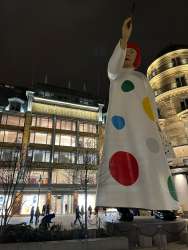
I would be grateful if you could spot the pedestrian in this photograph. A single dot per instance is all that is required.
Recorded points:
(82, 211)
(46, 220)
(66, 208)
(31, 215)
(44, 210)
(136, 212)
(104, 209)
(89, 211)
(47, 209)
(77, 213)
(37, 215)
(96, 211)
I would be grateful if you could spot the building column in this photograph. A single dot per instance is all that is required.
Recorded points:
(26, 136)
(181, 185)
(30, 96)
(100, 116)
(75, 200)
(48, 198)
(17, 203)
(52, 152)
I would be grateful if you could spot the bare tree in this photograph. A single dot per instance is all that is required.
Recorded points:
(85, 175)
(14, 175)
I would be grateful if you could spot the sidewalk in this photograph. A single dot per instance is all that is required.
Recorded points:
(65, 220)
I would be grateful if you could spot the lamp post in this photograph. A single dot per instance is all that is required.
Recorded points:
(86, 182)
(39, 182)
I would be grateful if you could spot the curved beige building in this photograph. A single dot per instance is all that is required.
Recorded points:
(168, 76)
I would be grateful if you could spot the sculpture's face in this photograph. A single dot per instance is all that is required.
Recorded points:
(130, 58)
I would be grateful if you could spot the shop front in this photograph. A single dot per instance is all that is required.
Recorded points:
(90, 200)
(32, 200)
(62, 203)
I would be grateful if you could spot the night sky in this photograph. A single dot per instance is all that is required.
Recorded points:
(72, 40)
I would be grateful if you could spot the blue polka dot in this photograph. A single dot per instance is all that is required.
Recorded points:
(118, 122)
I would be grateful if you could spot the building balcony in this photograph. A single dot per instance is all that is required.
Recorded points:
(174, 58)
(172, 93)
(168, 87)
(168, 74)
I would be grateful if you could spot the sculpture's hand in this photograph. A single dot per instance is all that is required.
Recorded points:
(126, 32)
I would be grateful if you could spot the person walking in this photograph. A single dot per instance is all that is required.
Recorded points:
(31, 215)
(82, 211)
(47, 209)
(44, 210)
(89, 211)
(66, 208)
(96, 212)
(37, 215)
(77, 213)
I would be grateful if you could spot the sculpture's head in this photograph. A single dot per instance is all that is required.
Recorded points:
(133, 56)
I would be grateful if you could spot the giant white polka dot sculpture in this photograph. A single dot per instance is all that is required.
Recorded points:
(134, 172)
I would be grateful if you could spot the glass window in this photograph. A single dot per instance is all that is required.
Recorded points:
(40, 137)
(87, 142)
(7, 154)
(15, 106)
(36, 176)
(87, 127)
(40, 121)
(80, 177)
(80, 159)
(184, 104)
(64, 157)
(63, 176)
(12, 120)
(65, 125)
(87, 158)
(39, 155)
(56, 157)
(10, 136)
(181, 81)
(65, 140)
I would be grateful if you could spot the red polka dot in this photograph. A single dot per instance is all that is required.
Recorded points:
(124, 168)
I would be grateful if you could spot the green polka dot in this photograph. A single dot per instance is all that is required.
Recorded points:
(171, 188)
(127, 86)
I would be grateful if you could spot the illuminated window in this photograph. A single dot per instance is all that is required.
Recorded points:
(40, 121)
(40, 137)
(154, 72)
(36, 176)
(81, 174)
(65, 140)
(184, 104)
(87, 142)
(64, 157)
(39, 155)
(176, 61)
(65, 125)
(63, 176)
(7, 154)
(181, 81)
(87, 127)
(12, 120)
(10, 136)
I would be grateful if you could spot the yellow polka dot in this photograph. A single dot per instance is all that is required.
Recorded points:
(148, 108)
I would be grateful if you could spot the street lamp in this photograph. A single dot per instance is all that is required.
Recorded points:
(86, 183)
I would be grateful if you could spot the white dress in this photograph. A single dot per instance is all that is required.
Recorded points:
(134, 172)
